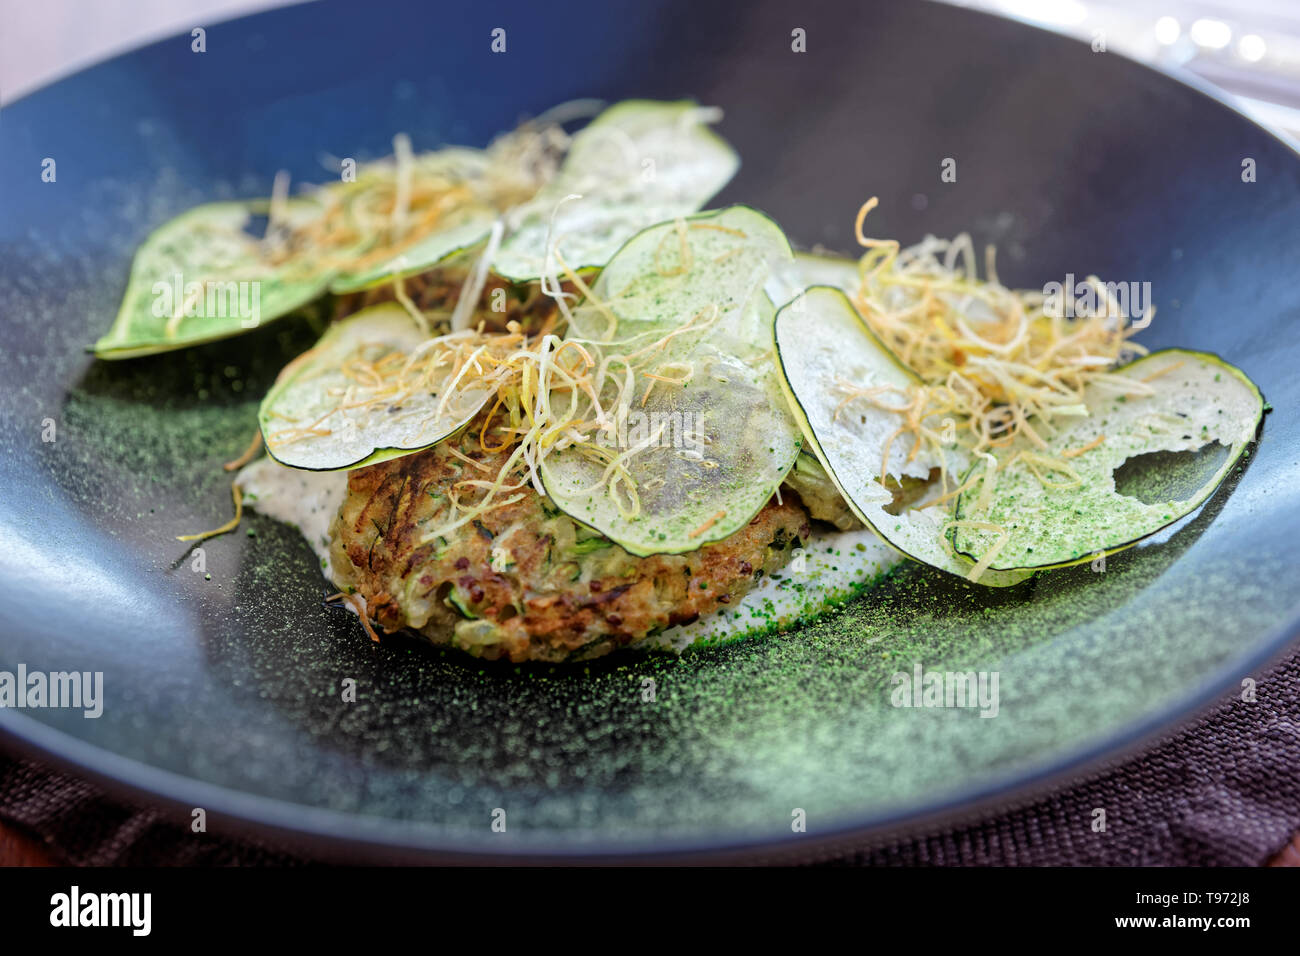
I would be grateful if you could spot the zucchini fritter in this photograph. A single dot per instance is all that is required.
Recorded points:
(525, 581)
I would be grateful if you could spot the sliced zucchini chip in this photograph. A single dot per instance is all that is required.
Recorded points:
(452, 223)
(374, 387)
(202, 277)
(638, 163)
(696, 434)
(832, 364)
(697, 277)
(808, 269)
(1059, 505)
(463, 232)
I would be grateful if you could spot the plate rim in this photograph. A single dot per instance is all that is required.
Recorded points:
(334, 833)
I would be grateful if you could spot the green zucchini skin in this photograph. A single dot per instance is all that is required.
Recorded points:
(691, 163)
(848, 347)
(300, 395)
(1216, 380)
(733, 396)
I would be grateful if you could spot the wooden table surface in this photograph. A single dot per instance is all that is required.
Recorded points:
(17, 848)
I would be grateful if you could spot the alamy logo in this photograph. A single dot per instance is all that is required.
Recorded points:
(638, 429)
(82, 690)
(1093, 298)
(922, 688)
(75, 908)
(212, 299)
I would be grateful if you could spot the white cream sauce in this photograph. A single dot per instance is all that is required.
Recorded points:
(833, 567)
(307, 500)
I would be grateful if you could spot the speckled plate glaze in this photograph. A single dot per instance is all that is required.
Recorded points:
(225, 693)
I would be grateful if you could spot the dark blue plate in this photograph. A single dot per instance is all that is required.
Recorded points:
(225, 693)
